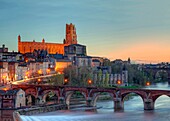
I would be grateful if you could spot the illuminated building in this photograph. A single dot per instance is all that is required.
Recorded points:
(52, 48)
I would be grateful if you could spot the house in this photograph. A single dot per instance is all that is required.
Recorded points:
(12, 99)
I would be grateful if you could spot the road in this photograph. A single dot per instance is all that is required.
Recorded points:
(24, 81)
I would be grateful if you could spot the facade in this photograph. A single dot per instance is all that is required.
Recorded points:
(52, 48)
(96, 63)
(43, 66)
(20, 99)
(77, 54)
(75, 50)
(22, 71)
(10, 56)
(61, 64)
(6, 115)
(120, 79)
(103, 74)
(83, 61)
(32, 69)
(12, 98)
(3, 72)
(12, 67)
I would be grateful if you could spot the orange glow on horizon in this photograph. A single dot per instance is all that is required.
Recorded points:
(143, 52)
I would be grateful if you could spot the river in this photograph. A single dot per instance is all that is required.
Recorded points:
(133, 111)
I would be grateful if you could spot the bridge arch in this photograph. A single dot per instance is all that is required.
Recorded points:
(98, 94)
(139, 93)
(31, 91)
(164, 97)
(46, 93)
(30, 100)
(129, 96)
(69, 94)
(160, 95)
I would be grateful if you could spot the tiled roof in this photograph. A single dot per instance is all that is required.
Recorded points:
(9, 92)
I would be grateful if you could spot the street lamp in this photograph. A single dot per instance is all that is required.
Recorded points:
(40, 72)
(48, 71)
(89, 81)
(65, 81)
(27, 74)
(148, 83)
(119, 82)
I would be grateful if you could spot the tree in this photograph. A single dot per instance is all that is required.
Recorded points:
(106, 82)
(106, 62)
(78, 76)
(57, 79)
(99, 75)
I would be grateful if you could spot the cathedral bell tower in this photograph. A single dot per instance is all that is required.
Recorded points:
(71, 36)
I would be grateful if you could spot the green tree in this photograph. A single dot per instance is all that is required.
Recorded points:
(99, 75)
(78, 76)
(56, 79)
(106, 83)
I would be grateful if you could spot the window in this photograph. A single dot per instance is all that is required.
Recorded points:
(21, 95)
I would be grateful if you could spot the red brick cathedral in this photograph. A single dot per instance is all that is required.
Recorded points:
(52, 48)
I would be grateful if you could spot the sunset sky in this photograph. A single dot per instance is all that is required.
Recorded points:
(116, 29)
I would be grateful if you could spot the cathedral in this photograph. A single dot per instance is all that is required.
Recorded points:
(52, 48)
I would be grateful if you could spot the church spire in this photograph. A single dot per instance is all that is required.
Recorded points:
(19, 38)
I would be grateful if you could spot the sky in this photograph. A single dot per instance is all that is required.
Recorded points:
(116, 29)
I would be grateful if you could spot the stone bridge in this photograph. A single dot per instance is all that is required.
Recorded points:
(154, 70)
(91, 94)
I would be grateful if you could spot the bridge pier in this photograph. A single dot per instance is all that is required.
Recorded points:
(61, 100)
(148, 104)
(118, 105)
(89, 101)
(40, 101)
